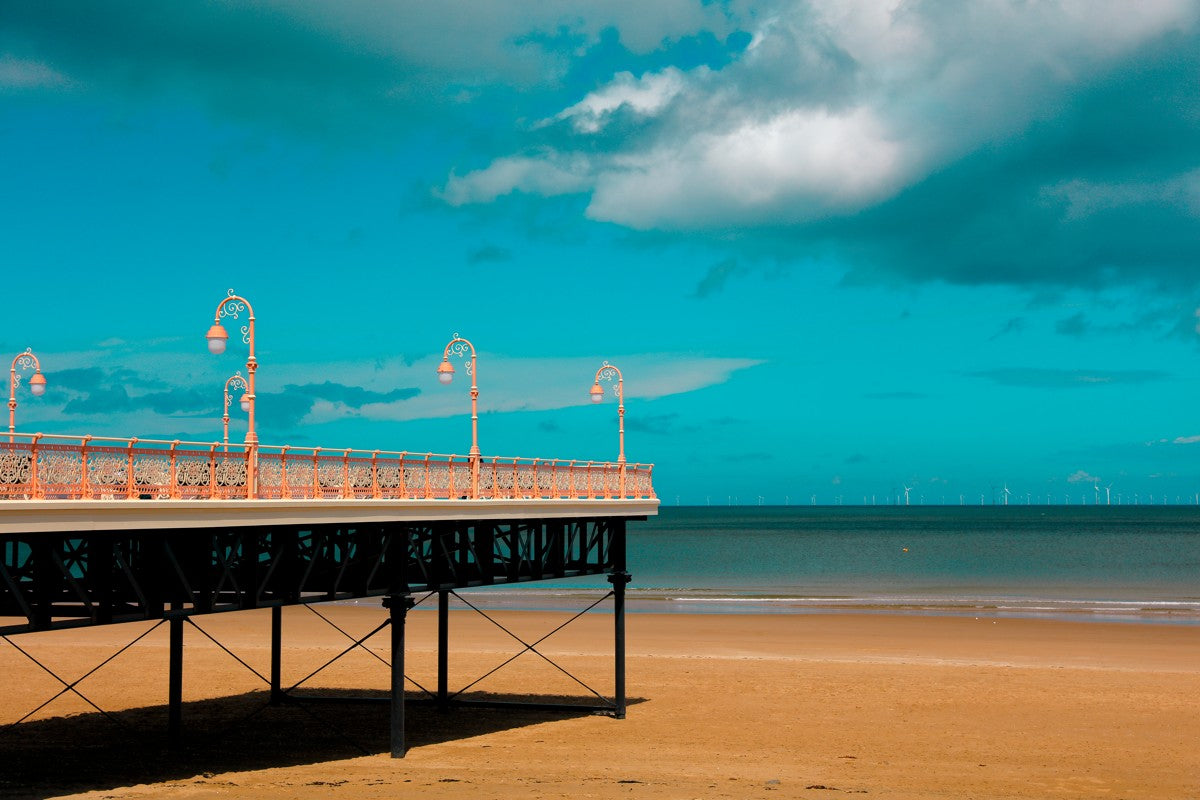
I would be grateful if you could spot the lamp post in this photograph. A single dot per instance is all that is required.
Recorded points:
(232, 306)
(606, 373)
(236, 381)
(37, 384)
(459, 346)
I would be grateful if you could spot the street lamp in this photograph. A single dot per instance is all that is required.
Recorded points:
(37, 384)
(606, 373)
(232, 306)
(459, 346)
(234, 381)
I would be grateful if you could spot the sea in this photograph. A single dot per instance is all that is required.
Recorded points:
(1137, 564)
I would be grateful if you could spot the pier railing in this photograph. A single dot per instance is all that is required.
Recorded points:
(37, 466)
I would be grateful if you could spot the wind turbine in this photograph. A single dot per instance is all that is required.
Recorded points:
(1006, 493)
(1108, 495)
(1096, 489)
(907, 489)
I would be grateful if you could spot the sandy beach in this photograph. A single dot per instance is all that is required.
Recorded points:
(811, 706)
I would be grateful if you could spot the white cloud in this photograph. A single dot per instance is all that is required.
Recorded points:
(807, 162)
(541, 384)
(1085, 198)
(1081, 476)
(18, 74)
(645, 96)
(836, 106)
(506, 175)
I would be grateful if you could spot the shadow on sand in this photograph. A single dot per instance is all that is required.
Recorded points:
(87, 752)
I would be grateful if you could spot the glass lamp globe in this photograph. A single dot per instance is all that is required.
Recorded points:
(37, 384)
(445, 371)
(245, 403)
(217, 337)
(597, 393)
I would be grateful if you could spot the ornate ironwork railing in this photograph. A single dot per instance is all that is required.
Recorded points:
(36, 467)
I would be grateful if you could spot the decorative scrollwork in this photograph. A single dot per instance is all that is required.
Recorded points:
(388, 476)
(439, 479)
(192, 472)
(299, 475)
(235, 382)
(414, 480)
(504, 479)
(231, 472)
(152, 471)
(545, 481)
(525, 479)
(15, 468)
(26, 360)
(60, 469)
(232, 307)
(360, 475)
(329, 473)
(270, 473)
(607, 372)
(107, 470)
(461, 347)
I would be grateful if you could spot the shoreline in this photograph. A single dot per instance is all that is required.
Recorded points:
(709, 601)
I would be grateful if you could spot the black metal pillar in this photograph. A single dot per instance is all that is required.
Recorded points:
(618, 581)
(619, 578)
(443, 693)
(398, 604)
(175, 681)
(276, 654)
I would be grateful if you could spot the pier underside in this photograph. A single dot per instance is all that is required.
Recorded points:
(51, 580)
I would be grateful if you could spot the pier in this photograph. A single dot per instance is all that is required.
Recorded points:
(98, 531)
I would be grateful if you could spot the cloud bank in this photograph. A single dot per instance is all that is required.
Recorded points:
(1046, 143)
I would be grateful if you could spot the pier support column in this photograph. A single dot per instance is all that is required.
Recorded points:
(443, 694)
(175, 681)
(619, 581)
(276, 654)
(398, 604)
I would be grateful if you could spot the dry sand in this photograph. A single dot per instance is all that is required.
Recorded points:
(813, 706)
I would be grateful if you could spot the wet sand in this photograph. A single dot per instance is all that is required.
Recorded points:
(811, 706)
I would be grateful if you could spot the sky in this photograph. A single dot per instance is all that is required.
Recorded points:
(837, 248)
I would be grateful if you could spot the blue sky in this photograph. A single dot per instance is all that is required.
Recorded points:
(837, 248)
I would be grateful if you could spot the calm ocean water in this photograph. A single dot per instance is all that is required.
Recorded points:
(1136, 563)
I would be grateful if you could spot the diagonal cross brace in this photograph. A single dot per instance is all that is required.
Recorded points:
(532, 648)
(72, 686)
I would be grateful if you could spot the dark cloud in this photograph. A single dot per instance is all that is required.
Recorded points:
(660, 424)
(112, 399)
(188, 402)
(1014, 325)
(1074, 325)
(1094, 196)
(286, 408)
(489, 253)
(1067, 378)
(247, 61)
(97, 390)
(714, 280)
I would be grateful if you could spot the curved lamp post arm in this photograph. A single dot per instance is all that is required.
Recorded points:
(236, 381)
(37, 384)
(459, 346)
(233, 306)
(608, 372)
